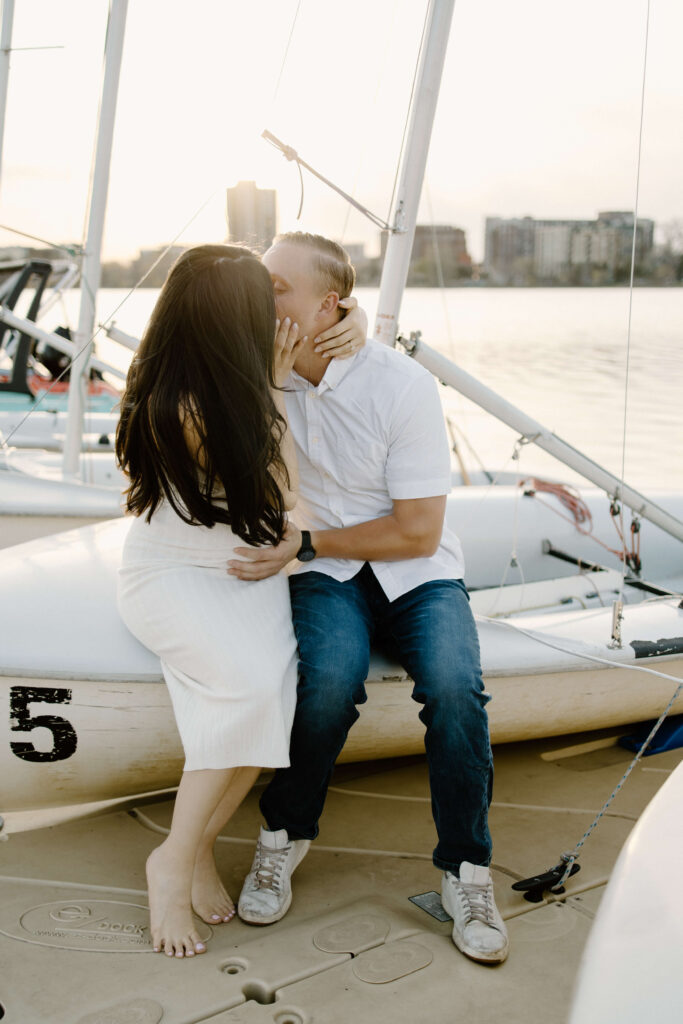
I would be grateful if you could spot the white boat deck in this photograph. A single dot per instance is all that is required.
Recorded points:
(353, 948)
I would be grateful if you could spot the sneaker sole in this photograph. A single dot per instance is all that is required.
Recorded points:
(497, 957)
(272, 918)
(483, 958)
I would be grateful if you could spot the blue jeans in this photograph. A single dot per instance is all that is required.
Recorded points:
(431, 632)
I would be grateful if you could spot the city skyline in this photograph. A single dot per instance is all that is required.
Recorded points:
(519, 251)
(538, 115)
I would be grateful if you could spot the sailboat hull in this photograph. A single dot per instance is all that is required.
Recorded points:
(88, 718)
(74, 741)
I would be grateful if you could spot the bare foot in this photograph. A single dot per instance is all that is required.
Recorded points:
(210, 899)
(172, 926)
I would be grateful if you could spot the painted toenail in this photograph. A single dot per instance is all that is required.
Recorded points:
(215, 917)
(200, 946)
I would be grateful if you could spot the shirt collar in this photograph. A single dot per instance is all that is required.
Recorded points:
(334, 374)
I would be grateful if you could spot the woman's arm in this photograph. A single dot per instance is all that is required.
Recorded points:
(287, 346)
(289, 493)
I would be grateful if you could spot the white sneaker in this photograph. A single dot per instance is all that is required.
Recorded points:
(267, 891)
(478, 929)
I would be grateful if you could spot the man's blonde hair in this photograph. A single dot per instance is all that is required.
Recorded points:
(330, 261)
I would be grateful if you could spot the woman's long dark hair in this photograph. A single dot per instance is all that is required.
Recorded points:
(208, 349)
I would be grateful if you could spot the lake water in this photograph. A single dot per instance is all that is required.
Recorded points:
(557, 353)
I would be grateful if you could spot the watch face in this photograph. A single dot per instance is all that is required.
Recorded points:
(307, 555)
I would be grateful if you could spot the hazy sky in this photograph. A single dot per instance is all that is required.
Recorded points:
(538, 113)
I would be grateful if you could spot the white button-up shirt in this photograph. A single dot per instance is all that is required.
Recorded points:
(372, 431)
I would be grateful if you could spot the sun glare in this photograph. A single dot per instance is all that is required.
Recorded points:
(531, 119)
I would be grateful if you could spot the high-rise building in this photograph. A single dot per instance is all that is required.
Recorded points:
(528, 251)
(439, 255)
(442, 243)
(252, 215)
(509, 247)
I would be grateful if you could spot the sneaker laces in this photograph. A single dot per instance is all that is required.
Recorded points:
(478, 900)
(269, 866)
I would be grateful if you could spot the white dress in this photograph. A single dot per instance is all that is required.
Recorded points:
(227, 646)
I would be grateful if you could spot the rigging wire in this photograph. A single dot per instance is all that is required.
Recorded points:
(4, 441)
(630, 290)
(70, 250)
(93, 155)
(409, 108)
(454, 429)
(26, 49)
(286, 54)
(513, 561)
(373, 107)
(439, 267)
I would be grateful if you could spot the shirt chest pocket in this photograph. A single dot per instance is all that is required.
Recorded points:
(360, 464)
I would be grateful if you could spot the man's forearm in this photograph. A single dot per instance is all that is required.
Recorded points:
(378, 540)
(412, 530)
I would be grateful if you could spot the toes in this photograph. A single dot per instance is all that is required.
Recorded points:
(210, 916)
(221, 912)
(180, 948)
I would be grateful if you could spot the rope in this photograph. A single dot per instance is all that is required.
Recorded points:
(568, 496)
(570, 857)
(580, 514)
(573, 855)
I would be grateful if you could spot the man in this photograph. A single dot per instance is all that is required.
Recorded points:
(374, 561)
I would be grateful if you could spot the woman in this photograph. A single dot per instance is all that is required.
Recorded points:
(203, 438)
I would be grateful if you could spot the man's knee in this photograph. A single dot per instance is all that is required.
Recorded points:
(450, 687)
(332, 683)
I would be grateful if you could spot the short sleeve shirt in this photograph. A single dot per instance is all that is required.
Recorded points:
(370, 433)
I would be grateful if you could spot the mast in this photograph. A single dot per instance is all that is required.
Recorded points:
(91, 268)
(395, 274)
(5, 50)
(423, 108)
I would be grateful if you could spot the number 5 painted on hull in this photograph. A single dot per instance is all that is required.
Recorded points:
(63, 733)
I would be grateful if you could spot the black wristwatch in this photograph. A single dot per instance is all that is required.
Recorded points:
(306, 552)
